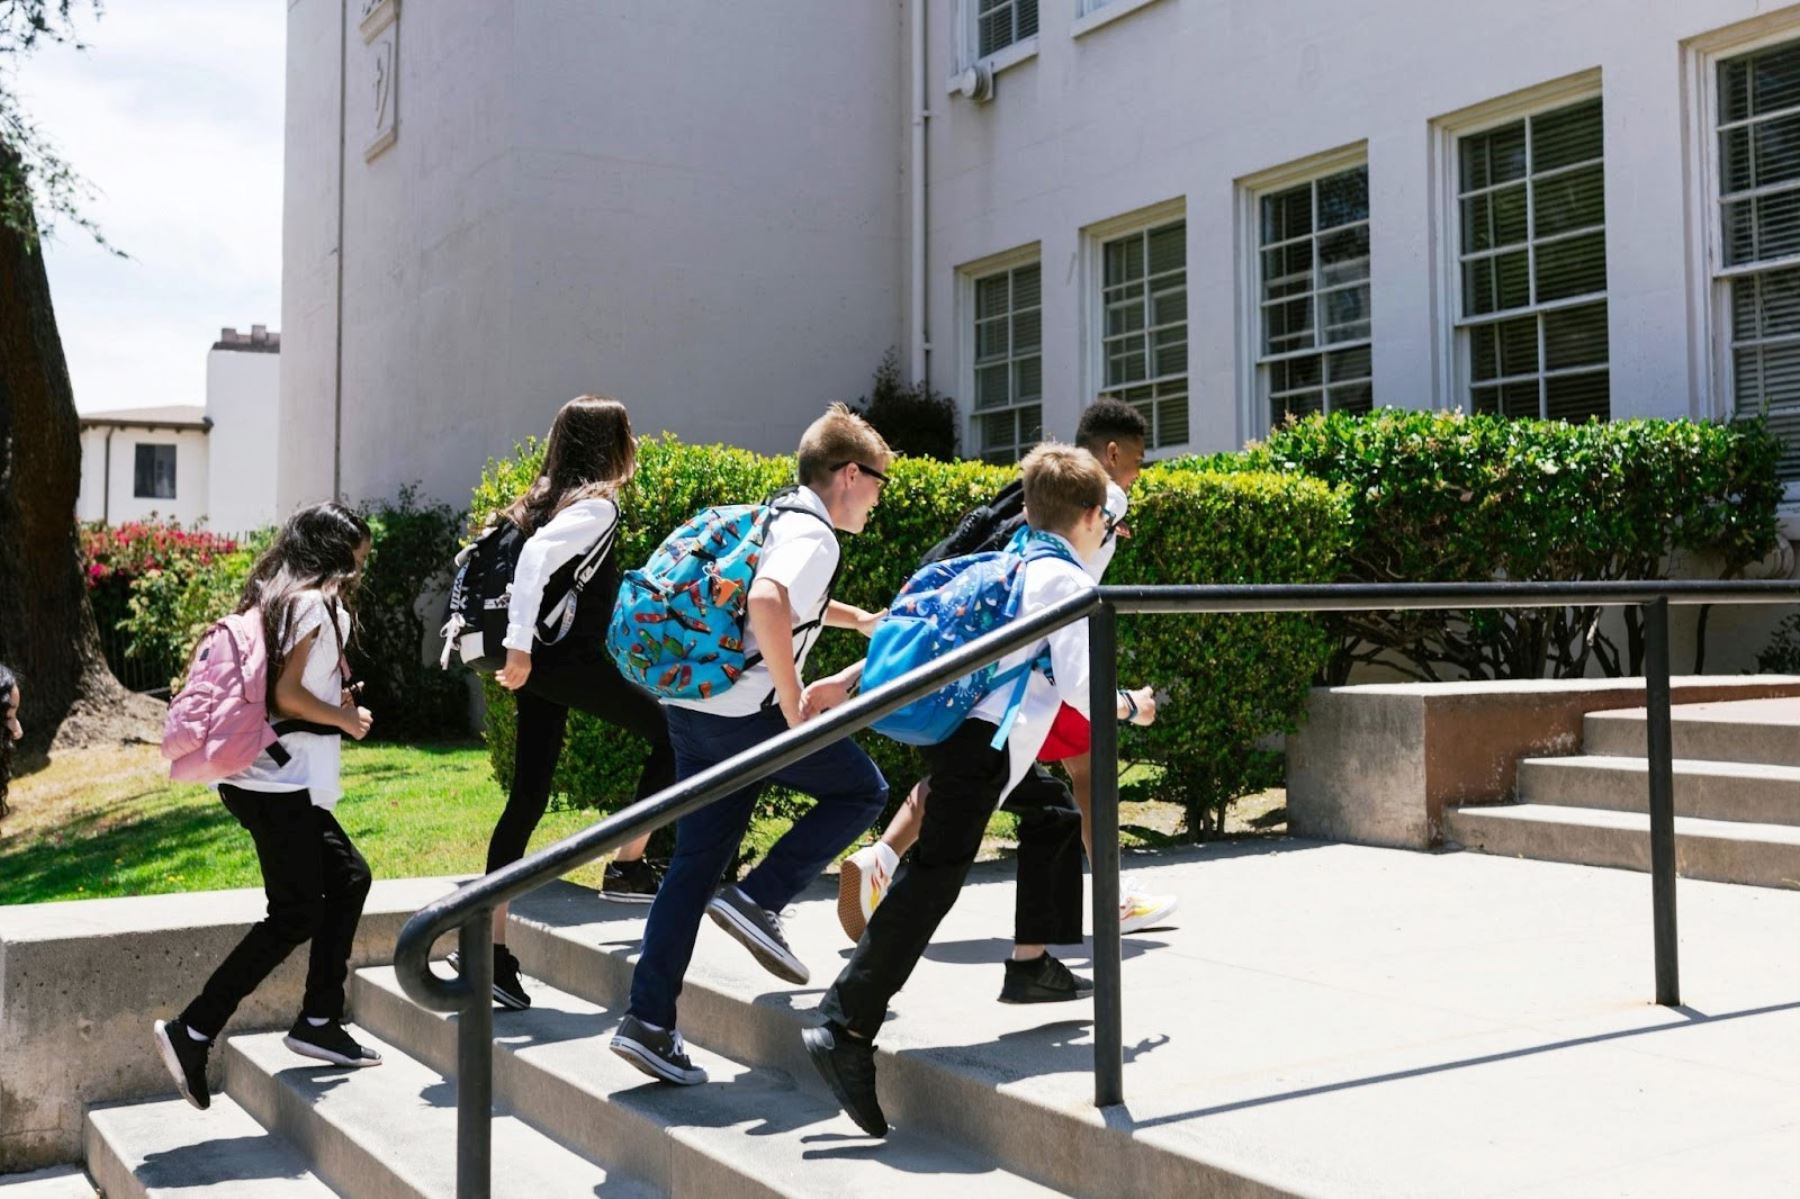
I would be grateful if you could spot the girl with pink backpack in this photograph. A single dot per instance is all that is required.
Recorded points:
(262, 717)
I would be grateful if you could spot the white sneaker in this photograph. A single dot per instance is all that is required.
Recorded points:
(1139, 909)
(863, 882)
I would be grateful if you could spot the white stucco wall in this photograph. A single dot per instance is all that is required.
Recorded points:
(96, 502)
(692, 206)
(1183, 98)
(243, 399)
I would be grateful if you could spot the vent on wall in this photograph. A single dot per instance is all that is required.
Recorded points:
(976, 82)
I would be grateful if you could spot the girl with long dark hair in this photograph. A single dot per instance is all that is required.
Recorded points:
(303, 589)
(9, 729)
(571, 506)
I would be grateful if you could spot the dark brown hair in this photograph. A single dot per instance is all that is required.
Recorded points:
(590, 455)
(315, 551)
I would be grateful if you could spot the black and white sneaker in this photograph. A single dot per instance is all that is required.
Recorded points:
(509, 992)
(186, 1060)
(1042, 980)
(658, 1052)
(848, 1067)
(630, 882)
(759, 931)
(328, 1042)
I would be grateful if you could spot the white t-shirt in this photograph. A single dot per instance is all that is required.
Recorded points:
(801, 554)
(566, 535)
(1116, 504)
(313, 759)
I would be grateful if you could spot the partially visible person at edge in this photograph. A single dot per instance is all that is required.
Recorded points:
(10, 732)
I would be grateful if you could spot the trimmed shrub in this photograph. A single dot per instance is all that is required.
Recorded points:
(1444, 497)
(1229, 680)
(915, 420)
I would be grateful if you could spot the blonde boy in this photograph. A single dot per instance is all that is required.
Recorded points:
(1065, 498)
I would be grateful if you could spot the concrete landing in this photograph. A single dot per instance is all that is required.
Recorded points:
(1342, 1020)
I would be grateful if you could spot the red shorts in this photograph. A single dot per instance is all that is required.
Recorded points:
(1070, 736)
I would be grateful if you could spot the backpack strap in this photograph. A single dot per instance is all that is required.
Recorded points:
(776, 509)
(590, 563)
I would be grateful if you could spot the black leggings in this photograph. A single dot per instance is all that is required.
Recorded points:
(589, 683)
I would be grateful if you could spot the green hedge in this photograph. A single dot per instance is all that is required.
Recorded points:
(1444, 497)
(1230, 681)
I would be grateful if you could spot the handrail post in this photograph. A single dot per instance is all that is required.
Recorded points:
(1103, 683)
(474, 1059)
(1660, 751)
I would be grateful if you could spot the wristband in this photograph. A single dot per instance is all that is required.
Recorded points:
(1131, 708)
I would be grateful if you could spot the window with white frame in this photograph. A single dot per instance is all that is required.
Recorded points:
(1314, 352)
(1002, 23)
(1143, 337)
(1758, 169)
(1531, 202)
(153, 472)
(1008, 410)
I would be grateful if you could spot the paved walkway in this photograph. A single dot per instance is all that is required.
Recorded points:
(1337, 1020)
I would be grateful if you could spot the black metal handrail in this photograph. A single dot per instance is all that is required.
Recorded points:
(469, 908)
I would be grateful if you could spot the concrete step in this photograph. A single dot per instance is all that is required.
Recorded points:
(167, 1150)
(1748, 730)
(390, 1130)
(749, 1132)
(1764, 855)
(1744, 791)
(57, 1182)
(950, 1079)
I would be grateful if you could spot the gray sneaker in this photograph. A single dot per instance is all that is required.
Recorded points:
(660, 1053)
(759, 931)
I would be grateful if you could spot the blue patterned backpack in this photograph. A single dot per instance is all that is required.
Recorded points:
(945, 605)
(678, 625)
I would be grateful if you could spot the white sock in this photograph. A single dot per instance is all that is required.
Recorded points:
(652, 1027)
(200, 1037)
(317, 1021)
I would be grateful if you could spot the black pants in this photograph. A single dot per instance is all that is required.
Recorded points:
(590, 683)
(967, 776)
(316, 882)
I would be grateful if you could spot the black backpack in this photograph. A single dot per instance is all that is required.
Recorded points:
(481, 591)
(985, 527)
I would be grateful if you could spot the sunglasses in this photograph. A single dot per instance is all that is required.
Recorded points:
(880, 479)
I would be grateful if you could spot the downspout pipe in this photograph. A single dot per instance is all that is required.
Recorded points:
(106, 486)
(921, 343)
(337, 374)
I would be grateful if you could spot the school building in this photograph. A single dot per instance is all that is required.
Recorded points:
(1220, 210)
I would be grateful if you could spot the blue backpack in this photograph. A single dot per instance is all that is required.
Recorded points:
(945, 605)
(678, 625)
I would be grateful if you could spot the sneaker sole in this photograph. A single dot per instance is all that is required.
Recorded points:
(509, 1001)
(782, 965)
(1152, 919)
(320, 1054)
(820, 1053)
(647, 1062)
(1047, 996)
(628, 896)
(166, 1049)
(850, 913)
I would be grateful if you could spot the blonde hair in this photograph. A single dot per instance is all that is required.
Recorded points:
(837, 438)
(1061, 484)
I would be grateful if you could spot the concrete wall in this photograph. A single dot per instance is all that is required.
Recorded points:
(98, 502)
(243, 394)
(1183, 98)
(692, 206)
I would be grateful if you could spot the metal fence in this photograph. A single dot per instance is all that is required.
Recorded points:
(469, 909)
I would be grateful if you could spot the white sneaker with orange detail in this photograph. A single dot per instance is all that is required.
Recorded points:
(1139, 909)
(863, 882)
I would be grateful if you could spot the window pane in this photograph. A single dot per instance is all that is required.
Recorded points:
(999, 430)
(1496, 284)
(1344, 256)
(1734, 89)
(1031, 425)
(1169, 307)
(1575, 266)
(1125, 317)
(1357, 398)
(1573, 200)
(1344, 199)
(1168, 248)
(991, 296)
(1497, 156)
(1028, 332)
(1288, 326)
(1287, 215)
(1172, 421)
(1575, 337)
(1028, 378)
(1485, 400)
(1287, 271)
(1171, 352)
(1777, 224)
(1345, 365)
(1777, 150)
(1519, 399)
(1296, 405)
(990, 339)
(1737, 171)
(1566, 137)
(990, 387)
(1028, 287)
(1346, 314)
(1775, 79)
(1577, 398)
(1124, 260)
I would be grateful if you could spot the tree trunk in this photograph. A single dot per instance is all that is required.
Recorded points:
(47, 632)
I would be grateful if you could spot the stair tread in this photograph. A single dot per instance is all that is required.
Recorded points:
(404, 1114)
(1685, 826)
(173, 1150)
(1682, 766)
(791, 1129)
(1776, 711)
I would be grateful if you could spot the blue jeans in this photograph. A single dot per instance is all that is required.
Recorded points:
(849, 794)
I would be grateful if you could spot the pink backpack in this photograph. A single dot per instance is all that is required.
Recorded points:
(219, 723)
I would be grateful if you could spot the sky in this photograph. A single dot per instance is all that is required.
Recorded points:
(174, 115)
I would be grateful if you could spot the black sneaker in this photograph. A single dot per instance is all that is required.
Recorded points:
(630, 882)
(660, 1053)
(328, 1042)
(186, 1060)
(1042, 980)
(848, 1067)
(759, 931)
(509, 992)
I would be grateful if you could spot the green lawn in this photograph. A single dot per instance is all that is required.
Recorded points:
(412, 810)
